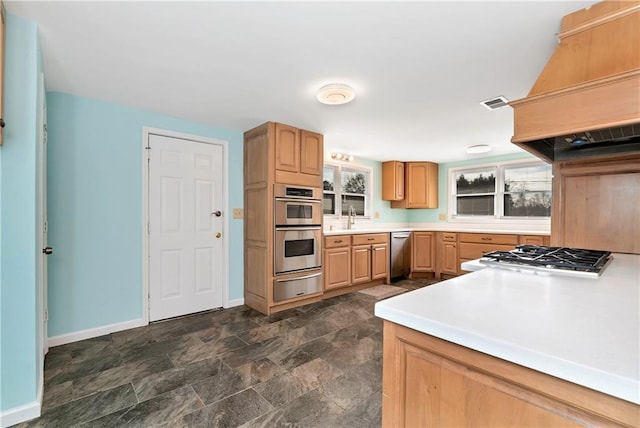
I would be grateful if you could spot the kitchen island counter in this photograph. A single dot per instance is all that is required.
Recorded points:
(582, 330)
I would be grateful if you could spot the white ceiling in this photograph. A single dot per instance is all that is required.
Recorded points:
(420, 69)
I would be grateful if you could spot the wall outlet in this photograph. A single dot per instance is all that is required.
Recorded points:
(442, 216)
(238, 213)
(376, 214)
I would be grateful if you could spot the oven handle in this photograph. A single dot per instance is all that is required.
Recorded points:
(311, 201)
(298, 278)
(292, 228)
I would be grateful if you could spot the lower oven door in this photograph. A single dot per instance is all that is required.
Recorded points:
(289, 288)
(297, 248)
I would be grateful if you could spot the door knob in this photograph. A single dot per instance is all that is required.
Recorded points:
(47, 250)
(217, 213)
(218, 235)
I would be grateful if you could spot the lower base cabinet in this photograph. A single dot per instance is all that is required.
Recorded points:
(351, 260)
(429, 382)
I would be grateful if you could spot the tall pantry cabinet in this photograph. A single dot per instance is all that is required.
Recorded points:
(273, 153)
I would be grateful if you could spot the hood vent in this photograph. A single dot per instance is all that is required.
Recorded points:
(586, 101)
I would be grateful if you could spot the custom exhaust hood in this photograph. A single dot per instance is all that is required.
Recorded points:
(586, 101)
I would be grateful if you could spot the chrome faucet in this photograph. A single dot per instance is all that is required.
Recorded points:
(351, 217)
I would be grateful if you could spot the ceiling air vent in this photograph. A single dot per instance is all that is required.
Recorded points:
(495, 103)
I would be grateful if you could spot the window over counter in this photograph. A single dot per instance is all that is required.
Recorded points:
(346, 186)
(510, 190)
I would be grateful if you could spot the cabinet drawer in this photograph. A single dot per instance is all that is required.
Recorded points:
(337, 241)
(449, 237)
(486, 238)
(374, 238)
(471, 251)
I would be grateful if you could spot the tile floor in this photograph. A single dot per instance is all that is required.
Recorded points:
(315, 366)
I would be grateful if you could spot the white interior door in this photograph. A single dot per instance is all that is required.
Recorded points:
(42, 218)
(185, 226)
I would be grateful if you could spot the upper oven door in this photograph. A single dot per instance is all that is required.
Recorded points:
(297, 249)
(294, 212)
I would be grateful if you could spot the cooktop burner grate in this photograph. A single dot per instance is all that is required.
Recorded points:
(575, 259)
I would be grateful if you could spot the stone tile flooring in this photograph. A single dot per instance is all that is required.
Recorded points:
(315, 366)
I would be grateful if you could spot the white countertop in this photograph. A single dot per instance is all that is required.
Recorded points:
(448, 228)
(583, 330)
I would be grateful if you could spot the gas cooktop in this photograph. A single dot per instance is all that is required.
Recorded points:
(552, 260)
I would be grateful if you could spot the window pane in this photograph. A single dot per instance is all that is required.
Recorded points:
(355, 201)
(527, 179)
(329, 203)
(527, 204)
(354, 182)
(327, 179)
(476, 182)
(475, 205)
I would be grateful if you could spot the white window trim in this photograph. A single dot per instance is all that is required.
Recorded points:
(369, 197)
(498, 201)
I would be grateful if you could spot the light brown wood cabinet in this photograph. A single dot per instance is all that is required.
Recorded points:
(422, 252)
(448, 253)
(392, 181)
(370, 257)
(273, 153)
(355, 260)
(429, 382)
(596, 204)
(2, 53)
(299, 156)
(337, 262)
(420, 186)
(533, 240)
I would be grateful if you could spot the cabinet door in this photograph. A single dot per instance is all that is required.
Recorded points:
(360, 264)
(337, 268)
(422, 185)
(379, 261)
(422, 251)
(311, 153)
(449, 258)
(287, 148)
(393, 181)
(533, 240)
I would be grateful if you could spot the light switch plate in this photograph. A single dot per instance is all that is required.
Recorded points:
(442, 217)
(376, 214)
(238, 213)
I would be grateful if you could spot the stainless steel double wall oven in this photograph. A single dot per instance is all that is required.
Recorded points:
(297, 241)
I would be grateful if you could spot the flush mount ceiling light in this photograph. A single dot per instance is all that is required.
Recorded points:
(335, 94)
(342, 157)
(479, 148)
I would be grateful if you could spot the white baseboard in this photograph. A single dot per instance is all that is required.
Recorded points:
(235, 302)
(19, 414)
(94, 332)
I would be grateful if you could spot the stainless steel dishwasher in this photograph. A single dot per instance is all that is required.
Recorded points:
(400, 254)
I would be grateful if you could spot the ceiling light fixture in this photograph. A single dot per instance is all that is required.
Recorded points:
(336, 94)
(342, 157)
(479, 148)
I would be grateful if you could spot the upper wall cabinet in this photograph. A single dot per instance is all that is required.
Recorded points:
(393, 181)
(2, 35)
(420, 186)
(298, 156)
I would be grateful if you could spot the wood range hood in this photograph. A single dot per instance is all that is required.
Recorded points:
(586, 101)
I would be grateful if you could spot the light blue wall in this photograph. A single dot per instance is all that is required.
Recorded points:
(432, 215)
(95, 209)
(20, 343)
(387, 214)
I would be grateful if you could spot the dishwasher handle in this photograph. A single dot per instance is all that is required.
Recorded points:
(401, 235)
